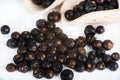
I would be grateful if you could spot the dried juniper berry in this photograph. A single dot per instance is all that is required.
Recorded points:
(5, 29)
(90, 6)
(51, 57)
(18, 58)
(35, 32)
(34, 64)
(57, 67)
(38, 73)
(15, 35)
(106, 58)
(21, 42)
(80, 41)
(62, 36)
(69, 14)
(81, 50)
(46, 65)
(100, 52)
(90, 66)
(23, 67)
(100, 29)
(29, 56)
(91, 55)
(41, 23)
(82, 58)
(47, 3)
(11, 67)
(22, 50)
(41, 56)
(70, 54)
(97, 44)
(54, 16)
(57, 42)
(115, 56)
(32, 47)
(69, 43)
(90, 39)
(62, 49)
(43, 47)
(40, 37)
(100, 65)
(61, 58)
(67, 75)
(49, 74)
(51, 26)
(113, 66)
(50, 36)
(108, 44)
(58, 31)
(71, 63)
(89, 30)
(80, 67)
(12, 43)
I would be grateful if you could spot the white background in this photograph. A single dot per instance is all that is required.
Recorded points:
(15, 14)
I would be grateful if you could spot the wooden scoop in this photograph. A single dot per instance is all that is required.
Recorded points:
(35, 8)
(106, 16)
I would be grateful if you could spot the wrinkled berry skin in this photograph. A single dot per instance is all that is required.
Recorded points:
(5, 29)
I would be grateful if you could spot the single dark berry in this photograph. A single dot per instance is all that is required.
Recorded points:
(5, 29)
(50, 36)
(82, 58)
(47, 3)
(70, 54)
(53, 50)
(26, 35)
(49, 74)
(32, 47)
(58, 31)
(100, 65)
(11, 67)
(41, 56)
(113, 66)
(100, 52)
(40, 37)
(92, 55)
(80, 41)
(51, 57)
(38, 73)
(44, 30)
(18, 58)
(54, 16)
(90, 6)
(29, 56)
(90, 66)
(57, 42)
(34, 64)
(23, 67)
(43, 48)
(69, 14)
(108, 44)
(21, 42)
(37, 2)
(51, 26)
(71, 63)
(90, 39)
(46, 65)
(12, 43)
(41, 23)
(69, 42)
(81, 6)
(62, 36)
(81, 50)
(35, 32)
(115, 56)
(100, 29)
(62, 49)
(106, 58)
(22, 50)
(61, 58)
(89, 30)
(80, 67)
(15, 35)
(57, 67)
(97, 44)
(67, 75)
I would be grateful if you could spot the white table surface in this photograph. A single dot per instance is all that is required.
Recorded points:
(16, 15)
